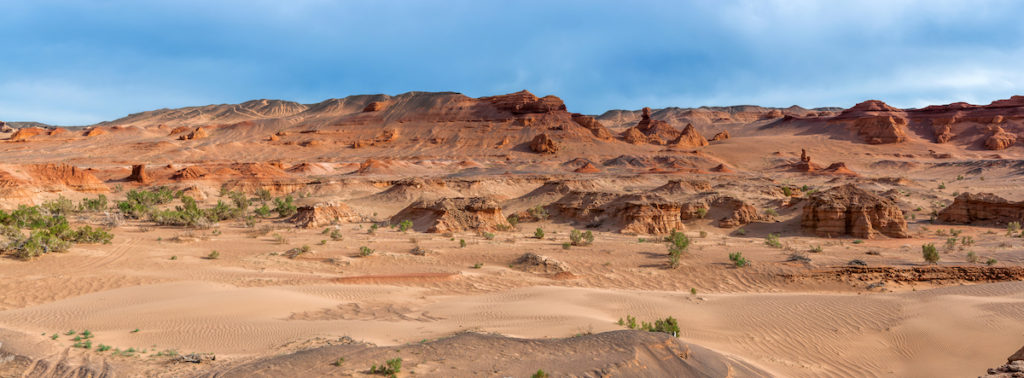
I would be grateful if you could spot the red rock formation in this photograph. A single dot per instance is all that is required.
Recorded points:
(648, 215)
(94, 132)
(178, 130)
(589, 123)
(875, 122)
(323, 214)
(25, 133)
(374, 106)
(57, 131)
(943, 134)
(524, 102)
(139, 174)
(722, 168)
(739, 212)
(65, 176)
(453, 215)
(190, 173)
(633, 135)
(839, 169)
(1000, 139)
(543, 144)
(657, 132)
(587, 168)
(690, 138)
(970, 208)
(720, 136)
(849, 210)
(198, 133)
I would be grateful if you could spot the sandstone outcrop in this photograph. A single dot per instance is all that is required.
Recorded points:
(453, 215)
(875, 122)
(139, 174)
(524, 102)
(25, 133)
(1014, 367)
(690, 138)
(55, 177)
(323, 214)
(649, 215)
(94, 132)
(943, 134)
(198, 133)
(633, 136)
(539, 264)
(850, 210)
(720, 136)
(1000, 139)
(190, 173)
(374, 106)
(982, 208)
(5, 128)
(595, 127)
(738, 212)
(587, 168)
(657, 131)
(543, 144)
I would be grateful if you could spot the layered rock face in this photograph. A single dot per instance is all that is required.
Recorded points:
(65, 176)
(1014, 367)
(982, 207)
(322, 214)
(849, 210)
(875, 122)
(524, 102)
(139, 174)
(198, 133)
(690, 138)
(453, 215)
(595, 127)
(739, 212)
(650, 215)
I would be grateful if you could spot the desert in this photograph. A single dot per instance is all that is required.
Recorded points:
(507, 236)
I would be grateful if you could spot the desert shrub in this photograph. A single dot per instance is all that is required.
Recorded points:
(990, 261)
(771, 212)
(678, 242)
(668, 325)
(280, 239)
(336, 235)
(213, 255)
(404, 225)
(1012, 227)
(817, 248)
(566, 245)
(539, 233)
(296, 252)
(703, 234)
(513, 220)
(787, 191)
(967, 241)
(90, 204)
(798, 257)
(462, 243)
(702, 212)
(263, 211)
(578, 238)
(89, 235)
(738, 260)
(942, 186)
(389, 367)
(858, 241)
(365, 251)
(929, 253)
(538, 212)
(284, 206)
(59, 206)
(240, 200)
(539, 374)
(772, 240)
(972, 257)
(373, 229)
(488, 236)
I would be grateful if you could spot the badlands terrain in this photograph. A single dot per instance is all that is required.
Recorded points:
(506, 235)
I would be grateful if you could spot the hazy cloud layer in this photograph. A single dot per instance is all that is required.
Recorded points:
(79, 62)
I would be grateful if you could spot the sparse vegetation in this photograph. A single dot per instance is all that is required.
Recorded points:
(284, 206)
(668, 325)
(513, 220)
(365, 251)
(462, 243)
(816, 248)
(389, 368)
(702, 212)
(213, 255)
(296, 252)
(771, 212)
(478, 265)
(538, 212)
(972, 257)
(578, 238)
(566, 245)
(539, 233)
(738, 260)
(930, 254)
(678, 243)
(990, 261)
(539, 374)
(404, 225)
(488, 236)
(772, 240)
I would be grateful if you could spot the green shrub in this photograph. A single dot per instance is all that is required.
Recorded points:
(263, 211)
(539, 234)
(389, 368)
(702, 212)
(539, 374)
(284, 206)
(404, 225)
(97, 204)
(336, 235)
(772, 240)
(264, 195)
(1013, 227)
(787, 191)
(816, 248)
(365, 251)
(990, 261)
(488, 236)
(513, 220)
(566, 245)
(578, 238)
(213, 255)
(678, 243)
(771, 212)
(929, 253)
(738, 259)
(462, 243)
(972, 257)
(538, 212)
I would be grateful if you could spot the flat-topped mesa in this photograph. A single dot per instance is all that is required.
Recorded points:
(968, 208)
(875, 122)
(850, 210)
(453, 215)
(524, 102)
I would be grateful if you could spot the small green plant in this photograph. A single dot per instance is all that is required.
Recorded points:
(538, 212)
(323, 242)
(213, 255)
(539, 374)
(70, 332)
(702, 212)
(462, 243)
(365, 251)
(771, 212)
(102, 348)
(929, 253)
(404, 225)
(942, 186)
(703, 234)
(959, 177)
(990, 261)
(678, 243)
(280, 239)
(284, 206)
(787, 191)
(488, 236)
(858, 241)
(772, 240)
(513, 220)
(389, 368)
(478, 265)
(175, 257)
(539, 233)
(336, 235)
(972, 257)
(134, 331)
(693, 291)
(741, 231)
(566, 245)
(339, 361)
(967, 241)
(738, 260)
(631, 322)
(951, 243)
(578, 238)
(1012, 227)
(816, 248)
(54, 336)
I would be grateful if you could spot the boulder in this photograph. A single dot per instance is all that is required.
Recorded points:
(190, 173)
(139, 174)
(720, 136)
(970, 208)
(587, 168)
(850, 210)
(453, 215)
(543, 144)
(198, 133)
(738, 212)
(1014, 367)
(534, 263)
(322, 214)
(1000, 139)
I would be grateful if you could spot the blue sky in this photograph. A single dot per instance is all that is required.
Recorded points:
(81, 62)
